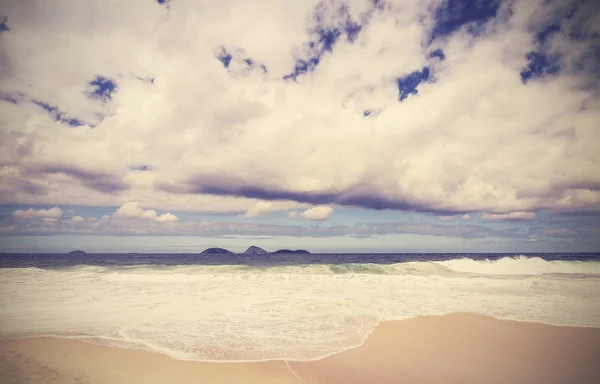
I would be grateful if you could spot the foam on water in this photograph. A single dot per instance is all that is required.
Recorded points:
(510, 266)
(521, 265)
(218, 313)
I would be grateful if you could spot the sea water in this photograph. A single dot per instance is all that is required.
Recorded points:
(293, 307)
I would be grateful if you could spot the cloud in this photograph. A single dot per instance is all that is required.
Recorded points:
(509, 216)
(77, 219)
(466, 216)
(52, 213)
(166, 218)
(445, 218)
(132, 210)
(581, 230)
(378, 105)
(119, 227)
(317, 213)
(261, 208)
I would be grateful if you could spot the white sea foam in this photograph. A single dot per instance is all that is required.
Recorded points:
(510, 266)
(292, 312)
(521, 265)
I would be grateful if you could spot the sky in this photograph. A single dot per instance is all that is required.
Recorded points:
(333, 126)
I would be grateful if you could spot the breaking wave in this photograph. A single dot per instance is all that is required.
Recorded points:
(517, 266)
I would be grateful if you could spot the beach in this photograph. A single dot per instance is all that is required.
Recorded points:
(456, 348)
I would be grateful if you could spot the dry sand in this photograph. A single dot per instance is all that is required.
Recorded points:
(447, 349)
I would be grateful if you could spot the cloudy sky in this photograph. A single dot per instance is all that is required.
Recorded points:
(358, 125)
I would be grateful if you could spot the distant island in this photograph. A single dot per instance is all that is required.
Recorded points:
(253, 250)
(216, 251)
(77, 253)
(301, 251)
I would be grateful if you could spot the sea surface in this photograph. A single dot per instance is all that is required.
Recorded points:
(278, 306)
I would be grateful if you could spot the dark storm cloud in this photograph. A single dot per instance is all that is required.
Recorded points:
(360, 195)
(99, 181)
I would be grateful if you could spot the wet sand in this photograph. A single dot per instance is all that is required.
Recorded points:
(464, 349)
(456, 348)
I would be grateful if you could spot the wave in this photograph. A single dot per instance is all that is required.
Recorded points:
(505, 266)
(521, 265)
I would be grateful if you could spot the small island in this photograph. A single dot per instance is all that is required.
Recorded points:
(300, 251)
(77, 253)
(253, 250)
(216, 251)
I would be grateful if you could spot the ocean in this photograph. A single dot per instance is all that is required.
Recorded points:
(277, 306)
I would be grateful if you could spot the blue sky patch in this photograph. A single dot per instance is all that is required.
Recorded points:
(224, 57)
(547, 32)
(378, 4)
(102, 88)
(8, 98)
(59, 116)
(574, 15)
(371, 112)
(540, 64)
(438, 54)
(454, 14)
(4, 25)
(408, 84)
(303, 66)
(325, 37)
(165, 3)
(252, 64)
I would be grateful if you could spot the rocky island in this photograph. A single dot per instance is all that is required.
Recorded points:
(253, 250)
(216, 251)
(77, 253)
(300, 251)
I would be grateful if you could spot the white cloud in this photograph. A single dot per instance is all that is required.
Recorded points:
(54, 213)
(509, 216)
(259, 209)
(466, 216)
(77, 219)
(476, 140)
(317, 213)
(445, 218)
(132, 210)
(293, 214)
(166, 218)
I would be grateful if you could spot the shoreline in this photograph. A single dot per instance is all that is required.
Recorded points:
(465, 348)
(86, 339)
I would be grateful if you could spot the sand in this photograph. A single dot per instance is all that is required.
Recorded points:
(448, 349)
(463, 349)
